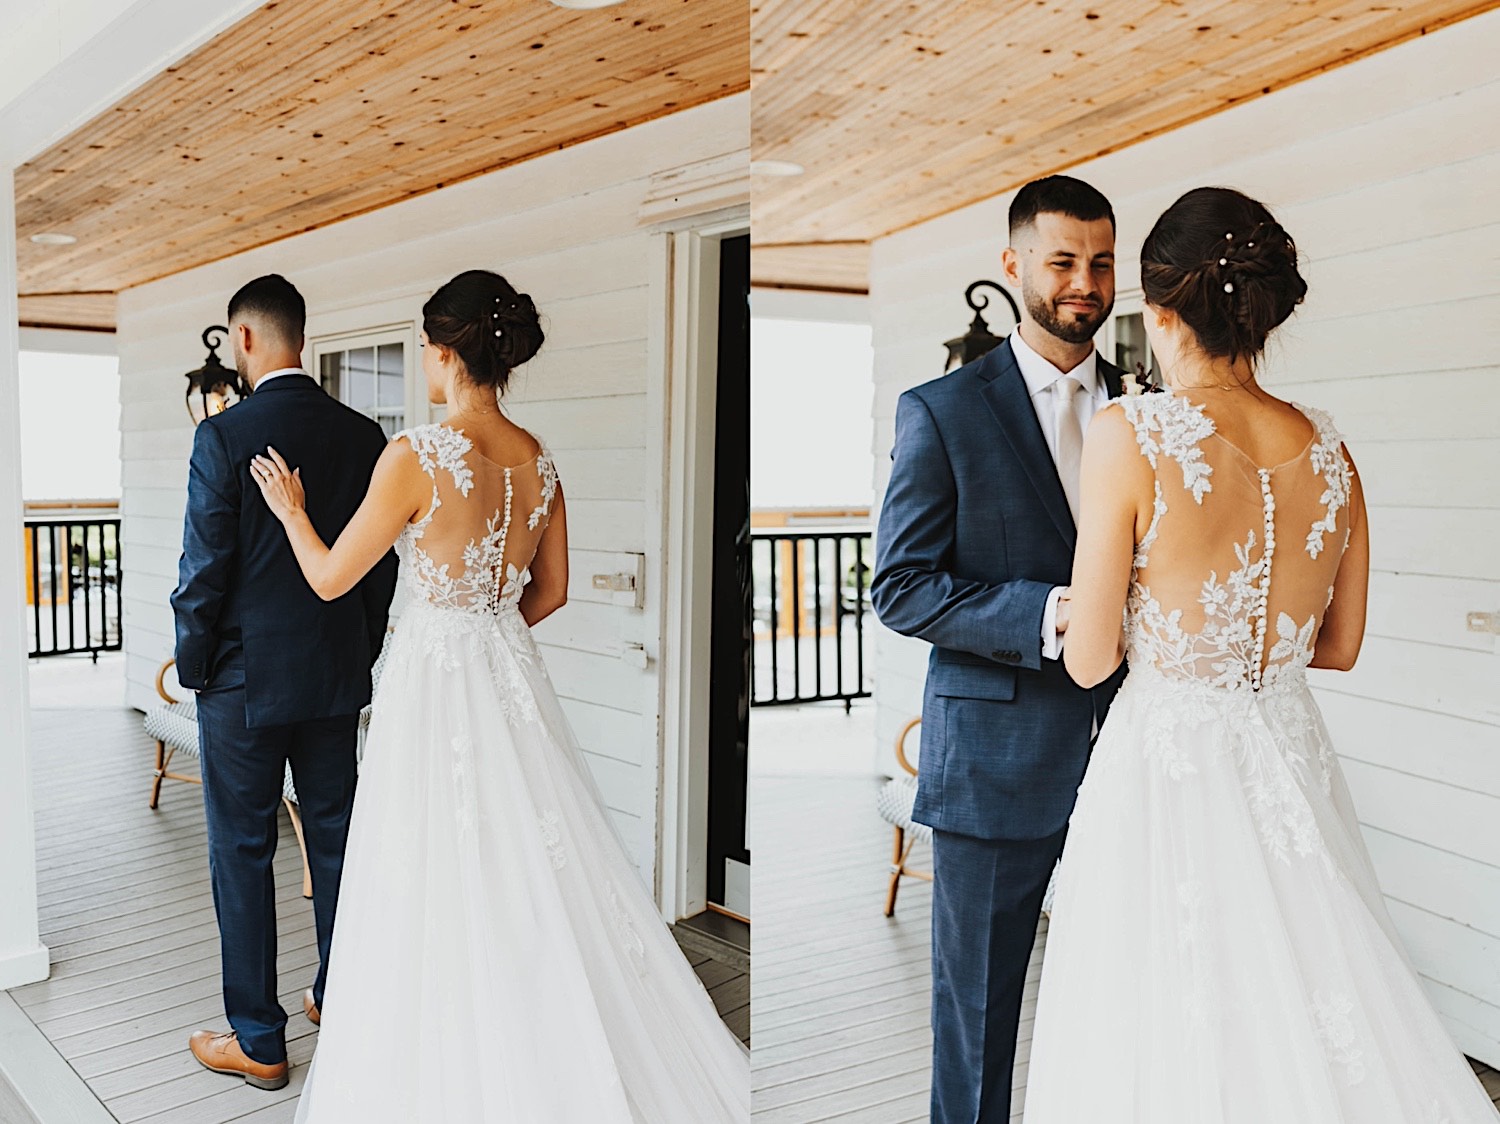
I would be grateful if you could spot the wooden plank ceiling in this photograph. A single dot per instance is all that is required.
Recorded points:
(903, 110)
(306, 113)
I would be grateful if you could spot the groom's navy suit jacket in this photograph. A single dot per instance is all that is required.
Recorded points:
(245, 615)
(974, 532)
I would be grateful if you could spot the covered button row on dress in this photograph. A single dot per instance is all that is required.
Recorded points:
(1268, 507)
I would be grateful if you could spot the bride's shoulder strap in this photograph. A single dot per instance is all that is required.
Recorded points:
(1327, 456)
(546, 468)
(1172, 426)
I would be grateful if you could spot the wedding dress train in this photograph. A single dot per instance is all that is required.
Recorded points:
(496, 956)
(1219, 951)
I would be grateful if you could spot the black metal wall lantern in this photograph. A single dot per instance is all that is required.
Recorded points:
(978, 340)
(213, 387)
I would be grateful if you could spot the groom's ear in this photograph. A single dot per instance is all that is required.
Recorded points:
(1010, 266)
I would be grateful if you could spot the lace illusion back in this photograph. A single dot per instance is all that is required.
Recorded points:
(1232, 580)
(472, 548)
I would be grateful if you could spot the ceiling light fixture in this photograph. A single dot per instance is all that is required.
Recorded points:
(53, 238)
(585, 4)
(776, 168)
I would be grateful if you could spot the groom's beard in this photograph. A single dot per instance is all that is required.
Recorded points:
(1066, 326)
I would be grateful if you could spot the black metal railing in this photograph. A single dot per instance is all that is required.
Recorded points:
(73, 585)
(812, 597)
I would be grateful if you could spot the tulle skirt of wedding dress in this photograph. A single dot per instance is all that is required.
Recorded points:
(496, 956)
(1218, 950)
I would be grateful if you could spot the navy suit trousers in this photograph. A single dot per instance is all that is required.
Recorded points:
(986, 901)
(243, 770)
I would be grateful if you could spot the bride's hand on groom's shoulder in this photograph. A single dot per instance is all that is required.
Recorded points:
(281, 486)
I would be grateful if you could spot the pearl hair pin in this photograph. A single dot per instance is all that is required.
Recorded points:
(1228, 287)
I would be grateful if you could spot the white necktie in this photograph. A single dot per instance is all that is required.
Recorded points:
(1069, 439)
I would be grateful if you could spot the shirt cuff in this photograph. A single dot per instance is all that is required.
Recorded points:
(1052, 643)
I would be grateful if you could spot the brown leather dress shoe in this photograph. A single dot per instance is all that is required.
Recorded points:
(313, 1015)
(223, 1053)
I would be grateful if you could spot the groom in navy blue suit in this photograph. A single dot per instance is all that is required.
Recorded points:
(974, 554)
(281, 675)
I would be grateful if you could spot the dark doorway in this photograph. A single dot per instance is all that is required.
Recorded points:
(729, 668)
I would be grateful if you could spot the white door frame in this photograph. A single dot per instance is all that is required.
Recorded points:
(687, 258)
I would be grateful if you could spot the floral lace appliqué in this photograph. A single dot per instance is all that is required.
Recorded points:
(630, 939)
(551, 827)
(1327, 457)
(547, 470)
(1162, 426)
(1336, 1031)
(462, 747)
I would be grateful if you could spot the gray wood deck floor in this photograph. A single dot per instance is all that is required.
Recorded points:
(127, 912)
(840, 994)
(839, 1002)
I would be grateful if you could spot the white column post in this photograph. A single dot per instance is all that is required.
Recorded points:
(23, 957)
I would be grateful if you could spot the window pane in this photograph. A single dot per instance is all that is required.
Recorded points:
(330, 368)
(1130, 343)
(360, 382)
(392, 387)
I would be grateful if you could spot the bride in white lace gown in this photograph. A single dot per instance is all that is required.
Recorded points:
(1219, 952)
(496, 958)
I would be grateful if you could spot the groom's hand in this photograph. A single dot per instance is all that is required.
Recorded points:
(1064, 607)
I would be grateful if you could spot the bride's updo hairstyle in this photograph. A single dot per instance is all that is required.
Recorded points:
(1223, 263)
(481, 317)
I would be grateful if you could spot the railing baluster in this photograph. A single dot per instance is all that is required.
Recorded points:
(817, 553)
(838, 616)
(859, 616)
(68, 562)
(796, 619)
(36, 588)
(88, 580)
(775, 626)
(52, 580)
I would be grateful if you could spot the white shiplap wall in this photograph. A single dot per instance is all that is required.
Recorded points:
(1384, 171)
(565, 227)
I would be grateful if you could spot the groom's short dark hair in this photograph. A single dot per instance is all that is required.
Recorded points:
(1062, 195)
(275, 302)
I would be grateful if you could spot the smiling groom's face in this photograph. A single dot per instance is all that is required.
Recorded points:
(1065, 269)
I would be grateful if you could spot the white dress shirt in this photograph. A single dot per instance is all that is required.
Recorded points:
(1040, 375)
(276, 374)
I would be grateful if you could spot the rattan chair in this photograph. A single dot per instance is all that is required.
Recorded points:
(897, 796)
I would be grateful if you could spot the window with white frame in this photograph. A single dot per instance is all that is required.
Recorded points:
(367, 373)
(1127, 345)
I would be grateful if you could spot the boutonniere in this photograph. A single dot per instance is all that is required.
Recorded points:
(1131, 382)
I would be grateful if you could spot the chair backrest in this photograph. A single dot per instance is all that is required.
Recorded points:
(910, 764)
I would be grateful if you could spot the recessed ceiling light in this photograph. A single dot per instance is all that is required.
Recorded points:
(585, 3)
(53, 238)
(776, 168)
